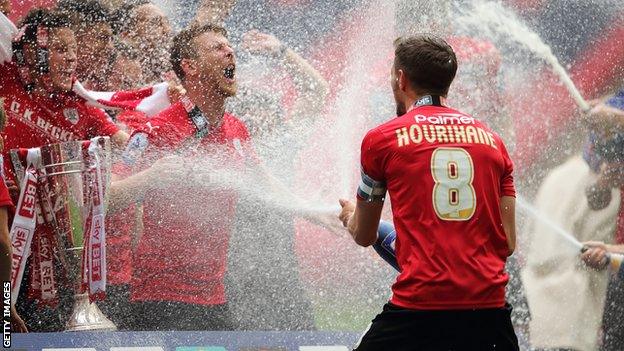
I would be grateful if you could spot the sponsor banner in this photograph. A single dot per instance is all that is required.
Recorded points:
(186, 341)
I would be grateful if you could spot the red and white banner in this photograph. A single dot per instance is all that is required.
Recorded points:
(149, 100)
(95, 244)
(23, 228)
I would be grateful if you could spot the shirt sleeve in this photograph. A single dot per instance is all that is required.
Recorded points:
(507, 180)
(100, 124)
(373, 183)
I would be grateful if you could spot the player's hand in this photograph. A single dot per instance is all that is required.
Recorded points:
(175, 90)
(13, 190)
(261, 43)
(327, 221)
(348, 208)
(17, 324)
(604, 118)
(595, 254)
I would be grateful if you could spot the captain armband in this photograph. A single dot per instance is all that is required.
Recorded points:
(371, 190)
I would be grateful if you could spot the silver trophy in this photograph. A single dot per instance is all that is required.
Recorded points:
(65, 190)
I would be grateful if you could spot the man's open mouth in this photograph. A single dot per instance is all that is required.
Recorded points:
(229, 72)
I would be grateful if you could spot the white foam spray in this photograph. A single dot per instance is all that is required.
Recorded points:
(496, 21)
(615, 259)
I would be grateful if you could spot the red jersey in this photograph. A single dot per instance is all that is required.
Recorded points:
(34, 120)
(121, 225)
(445, 173)
(183, 250)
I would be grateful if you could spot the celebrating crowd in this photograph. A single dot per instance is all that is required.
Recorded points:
(55, 68)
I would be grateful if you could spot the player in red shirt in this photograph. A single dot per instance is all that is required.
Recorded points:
(36, 81)
(450, 181)
(36, 89)
(178, 281)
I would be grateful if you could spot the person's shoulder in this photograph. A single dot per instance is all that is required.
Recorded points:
(477, 123)
(379, 133)
(165, 126)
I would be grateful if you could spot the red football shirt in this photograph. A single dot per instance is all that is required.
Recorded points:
(34, 121)
(445, 173)
(121, 225)
(182, 253)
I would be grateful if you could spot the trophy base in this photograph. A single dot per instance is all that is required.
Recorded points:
(87, 316)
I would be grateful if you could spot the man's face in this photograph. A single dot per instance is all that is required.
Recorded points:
(401, 109)
(62, 53)
(96, 47)
(215, 63)
(151, 26)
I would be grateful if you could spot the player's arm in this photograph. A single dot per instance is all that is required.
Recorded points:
(128, 190)
(361, 220)
(508, 199)
(508, 215)
(312, 88)
(164, 172)
(17, 324)
(136, 182)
